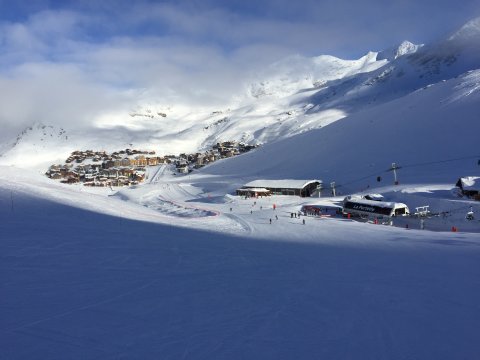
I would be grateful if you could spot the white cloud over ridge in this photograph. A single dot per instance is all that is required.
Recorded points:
(68, 65)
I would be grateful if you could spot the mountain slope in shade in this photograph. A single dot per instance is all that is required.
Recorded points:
(96, 277)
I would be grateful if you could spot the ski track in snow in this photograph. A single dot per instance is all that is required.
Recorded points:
(89, 306)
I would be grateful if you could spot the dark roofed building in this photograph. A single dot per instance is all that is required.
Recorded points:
(469, 186)
(303, 188)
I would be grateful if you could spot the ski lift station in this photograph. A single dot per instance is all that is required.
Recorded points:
(303, 188)
(362, 207)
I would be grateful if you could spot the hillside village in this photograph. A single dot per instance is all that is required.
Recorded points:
(128, 167)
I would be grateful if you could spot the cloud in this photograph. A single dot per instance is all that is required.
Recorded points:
(53, 94)
(83, 59)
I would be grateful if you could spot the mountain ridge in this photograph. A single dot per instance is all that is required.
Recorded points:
(296, 95)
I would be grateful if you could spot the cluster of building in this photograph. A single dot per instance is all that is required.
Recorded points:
(185, 163)
(128, 167)
(363, 207)
(95, 168)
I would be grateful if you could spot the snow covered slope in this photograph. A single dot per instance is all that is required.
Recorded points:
(432, 134)
(298, 73)
(86, 276)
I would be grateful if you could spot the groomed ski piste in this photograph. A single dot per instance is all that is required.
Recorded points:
(181, 269)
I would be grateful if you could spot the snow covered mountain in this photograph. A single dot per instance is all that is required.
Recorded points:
(405, 48)
(292, 96)
(432, 133)
(298, 73)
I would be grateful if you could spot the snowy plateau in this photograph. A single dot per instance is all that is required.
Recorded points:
(179, 267)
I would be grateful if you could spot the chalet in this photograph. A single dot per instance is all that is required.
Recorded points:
(303, 188)
(88, 177)
(55, 167)
(245, 148)
(139, 175)
(64, 171)
(70, 180)
(182, 169)
(469, 186)
(229, 144)
(210, 158)
(152, 161)
(125, 172)
(200, 161)
(227, 153)
(55, 175)
(108, 164)
(110, 173)
(139, 161)
(125, 162)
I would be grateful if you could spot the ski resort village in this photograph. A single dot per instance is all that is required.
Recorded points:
(199, 180)
(127, 167)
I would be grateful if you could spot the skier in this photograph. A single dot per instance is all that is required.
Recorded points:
(270, 221)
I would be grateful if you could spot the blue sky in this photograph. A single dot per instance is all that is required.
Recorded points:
(337, 27)
(195, 50)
